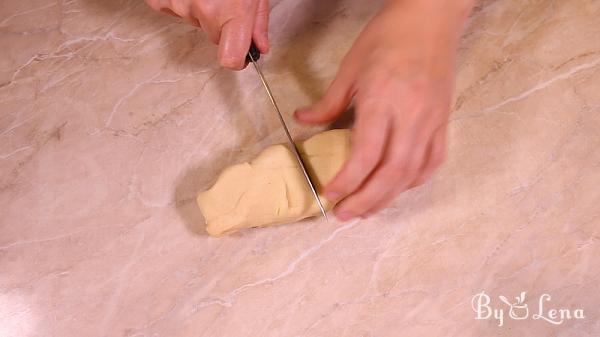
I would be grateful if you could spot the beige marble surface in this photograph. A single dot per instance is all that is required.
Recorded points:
(112, 118)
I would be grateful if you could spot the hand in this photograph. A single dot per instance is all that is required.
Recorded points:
(232, 24)
(400, 74)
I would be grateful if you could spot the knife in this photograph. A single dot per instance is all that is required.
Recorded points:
(252, 57)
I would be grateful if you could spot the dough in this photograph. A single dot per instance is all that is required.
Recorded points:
(271, 189)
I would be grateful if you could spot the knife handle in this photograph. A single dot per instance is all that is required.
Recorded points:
(254, 52)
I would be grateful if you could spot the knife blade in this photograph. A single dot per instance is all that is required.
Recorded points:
(253, 56)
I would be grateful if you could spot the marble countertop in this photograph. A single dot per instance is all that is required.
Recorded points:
(113, 117)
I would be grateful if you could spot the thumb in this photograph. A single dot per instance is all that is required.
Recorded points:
(236, 36)
(336, 99)
(261, 26)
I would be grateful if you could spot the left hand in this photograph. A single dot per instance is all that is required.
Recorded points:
(400, 72)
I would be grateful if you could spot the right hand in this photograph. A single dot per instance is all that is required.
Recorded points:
(231, 24)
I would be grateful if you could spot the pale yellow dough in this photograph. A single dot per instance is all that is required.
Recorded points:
(271, 189)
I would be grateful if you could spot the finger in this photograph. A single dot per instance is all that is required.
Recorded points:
(336, 99)
(435, 156)
(204, 17)
(398, 169)
(261, 27)
(370, 134)
(236, 35)
(388, 198)
(180, 8)
(380, 189)
(384, 202)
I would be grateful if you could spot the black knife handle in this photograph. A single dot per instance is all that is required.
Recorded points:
(254, 52)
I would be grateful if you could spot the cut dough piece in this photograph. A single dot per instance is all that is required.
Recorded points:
(271, 189)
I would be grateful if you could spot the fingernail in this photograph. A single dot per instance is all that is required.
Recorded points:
(344, 216)
(332, 195)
